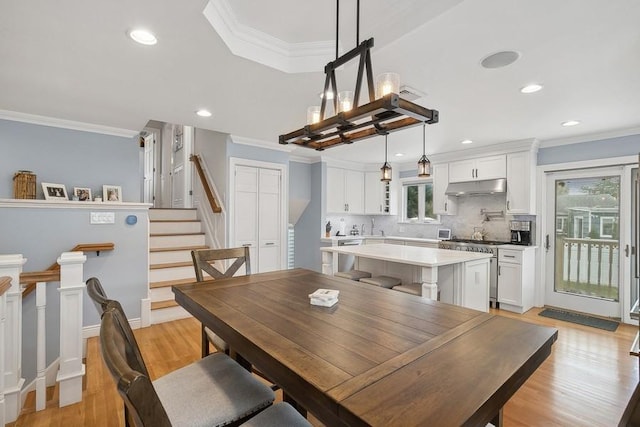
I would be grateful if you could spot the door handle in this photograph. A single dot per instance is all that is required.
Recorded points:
(269, 244)
(547, 245)
(508, 205)
(445, 206)
(247, 245)
(499, 271)
(626, 251)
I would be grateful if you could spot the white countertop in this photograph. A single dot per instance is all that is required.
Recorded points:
(377, 237)
(414, 255)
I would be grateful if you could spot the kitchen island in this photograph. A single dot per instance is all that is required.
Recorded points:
(460, 278)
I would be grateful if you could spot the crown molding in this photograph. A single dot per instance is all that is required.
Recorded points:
(260, 143)
(66, 124)
(263, 48)
(590, 137)
(302, 159)
(486, 150)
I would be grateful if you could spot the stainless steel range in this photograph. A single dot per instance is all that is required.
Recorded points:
(484, 246)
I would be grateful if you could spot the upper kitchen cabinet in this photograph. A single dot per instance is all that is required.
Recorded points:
(345, 191)
(442, 204)
(478, 169)
(379, 197)
(521, 183)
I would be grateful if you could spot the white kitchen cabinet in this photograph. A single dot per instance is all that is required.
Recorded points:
(521, 183)
(516, 287)
(442, 204)
(475, 285)
(478, 169)
(345, 191)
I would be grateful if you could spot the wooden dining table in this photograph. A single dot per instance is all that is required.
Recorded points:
(378, 357)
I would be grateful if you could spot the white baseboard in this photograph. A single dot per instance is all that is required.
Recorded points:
(145, 312)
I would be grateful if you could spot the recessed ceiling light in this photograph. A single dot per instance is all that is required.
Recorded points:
(204, 113)
(399, 154)
(143, 37)
(467, 141)
(532, 88)
(500, 59)
(570, 123)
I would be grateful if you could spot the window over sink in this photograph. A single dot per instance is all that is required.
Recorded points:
(417, 201)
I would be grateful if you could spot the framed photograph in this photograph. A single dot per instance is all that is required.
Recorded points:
(82, 193)
(111, 193)
(54, 191)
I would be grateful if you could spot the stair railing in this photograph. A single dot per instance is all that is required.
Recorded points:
(68, 272)
(197, 161)
(214, 220)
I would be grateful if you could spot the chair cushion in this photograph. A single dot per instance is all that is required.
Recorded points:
(213, 391)
(353, 274)
(279, 415)
(383, 281)
(411, 288)
(218, 343)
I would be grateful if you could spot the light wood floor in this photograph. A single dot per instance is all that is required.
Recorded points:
(586, 381)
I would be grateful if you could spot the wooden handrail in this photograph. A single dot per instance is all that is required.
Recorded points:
(5, 284)
(52, 274)
(205, 184)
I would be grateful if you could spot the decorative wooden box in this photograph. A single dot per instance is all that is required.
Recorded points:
(24, 185)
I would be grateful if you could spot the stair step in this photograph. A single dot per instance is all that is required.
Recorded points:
(165, 283)
(173, 273)
(157, 241)
(172, 214)
(179, 248)
(175, 227)
(170, 255)
(170, 265)
(196, 233)
(157, 305)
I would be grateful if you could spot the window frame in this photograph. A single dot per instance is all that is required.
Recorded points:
(612, 222)
(421, 183)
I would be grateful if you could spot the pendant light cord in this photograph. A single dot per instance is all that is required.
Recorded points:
(385, 148)
(358, 23)
(424, 137)
(337, 25)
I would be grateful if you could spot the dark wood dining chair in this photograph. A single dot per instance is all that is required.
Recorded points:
(209, 261)
(213, 391)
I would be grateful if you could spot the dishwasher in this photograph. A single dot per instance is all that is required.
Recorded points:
(346, 262)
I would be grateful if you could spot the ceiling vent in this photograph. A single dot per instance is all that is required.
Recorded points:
(410, 94)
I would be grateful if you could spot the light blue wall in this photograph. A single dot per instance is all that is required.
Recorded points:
(73, 158)
(251, 152)
(591, 150)
(305, 183)
(69, 157)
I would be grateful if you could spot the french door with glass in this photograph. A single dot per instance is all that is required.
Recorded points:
(583, 240)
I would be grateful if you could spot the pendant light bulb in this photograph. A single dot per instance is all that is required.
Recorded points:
(424, 164)
(386, 168)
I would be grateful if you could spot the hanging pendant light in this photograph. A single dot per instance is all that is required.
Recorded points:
(386, 168)
(337, 124)
(424, 165)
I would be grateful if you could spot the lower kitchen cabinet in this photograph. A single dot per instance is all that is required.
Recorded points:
(475, 285)
(516, 279)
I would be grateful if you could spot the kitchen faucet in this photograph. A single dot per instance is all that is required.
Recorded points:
(373, 224)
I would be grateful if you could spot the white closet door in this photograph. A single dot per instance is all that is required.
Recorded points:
(269, 217)
(246, 211)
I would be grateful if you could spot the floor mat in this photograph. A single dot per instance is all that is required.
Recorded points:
(581, 319)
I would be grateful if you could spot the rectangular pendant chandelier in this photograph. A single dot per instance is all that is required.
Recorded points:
(388, 113)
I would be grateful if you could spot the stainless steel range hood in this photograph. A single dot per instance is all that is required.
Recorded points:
(470, 188)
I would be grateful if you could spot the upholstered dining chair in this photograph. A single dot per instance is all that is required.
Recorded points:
(204, 261)
(213, 391)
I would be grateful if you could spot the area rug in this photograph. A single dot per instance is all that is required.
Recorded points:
(580, 319)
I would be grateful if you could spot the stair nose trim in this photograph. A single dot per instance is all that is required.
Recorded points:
(176, 234)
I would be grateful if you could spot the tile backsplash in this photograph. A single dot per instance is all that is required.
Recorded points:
(461, 225)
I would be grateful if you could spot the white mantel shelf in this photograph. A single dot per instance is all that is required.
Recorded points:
(414, 255)
(71, 204)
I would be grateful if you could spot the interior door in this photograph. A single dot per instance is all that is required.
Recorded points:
(246, 212)
(149, 168)
(269, 230)
(583, 256)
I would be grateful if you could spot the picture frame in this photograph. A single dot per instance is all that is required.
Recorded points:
(54, 191)
(111, 193)
(82, 193)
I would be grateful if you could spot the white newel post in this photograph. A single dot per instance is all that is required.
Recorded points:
(71, 289)
(11, 352)
(41, 345)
